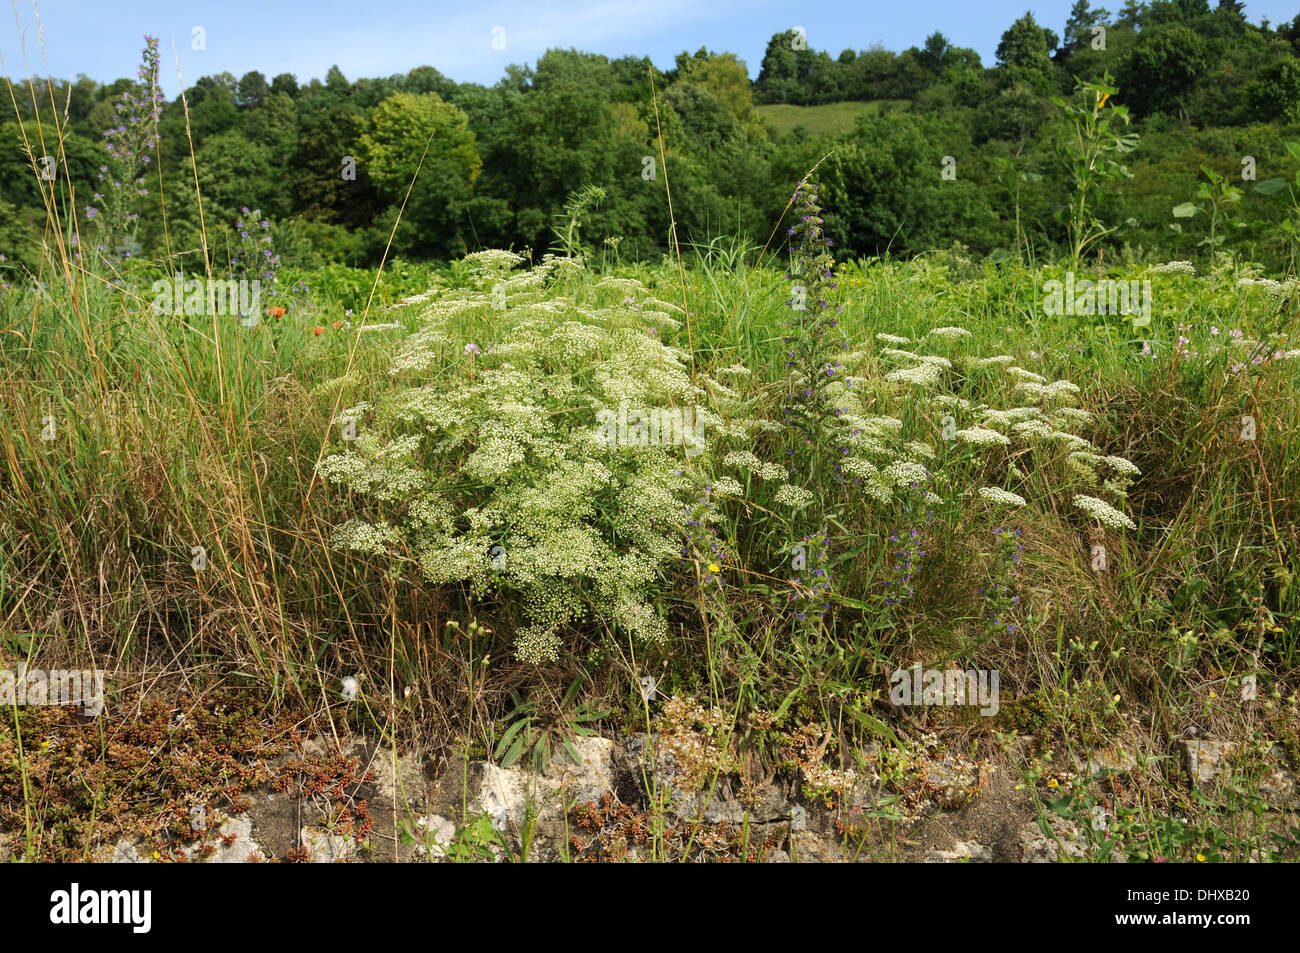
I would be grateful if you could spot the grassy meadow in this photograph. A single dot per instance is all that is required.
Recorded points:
(380, 558)
(490, 504)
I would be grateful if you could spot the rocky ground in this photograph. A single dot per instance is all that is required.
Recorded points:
(674, 795)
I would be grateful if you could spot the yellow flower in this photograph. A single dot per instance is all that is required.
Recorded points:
(1053, 783)
(714, 567)
(1200, 858)
(1102, 102)
(1212, 695)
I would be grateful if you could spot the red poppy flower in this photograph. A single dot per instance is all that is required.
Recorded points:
(318, 331)
(275, 312)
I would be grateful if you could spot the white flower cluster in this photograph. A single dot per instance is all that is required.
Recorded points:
(743, 459)
(1268, 284)
(536, 644)
(362, 537)
(494, 259)
(981, 437)
(1103, 512)
(1029, 429)
(727, 487)
(1072, 416)
(950, 333)
(905, 473)
(922, 375)
(1174, 268)
(1022, 374)
(1124, 467)
(895, 354)
(788, 494)
(919, 450)
(996, 494)
(516, 461)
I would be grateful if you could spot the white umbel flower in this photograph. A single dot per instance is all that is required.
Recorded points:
(891, 339)
(981, 436)
(1120, 465)
(1103, 512)
(996, 494)
(726, 486)
(895, 353)
(1028, 429)
(795, 496)
(1174, 268)
(949, 333)
(904, 473)
(923, 375)
(742, 458)
(1022, 374)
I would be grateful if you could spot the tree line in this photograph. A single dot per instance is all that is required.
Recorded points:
(944, 149)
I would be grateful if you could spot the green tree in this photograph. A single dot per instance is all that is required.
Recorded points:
(725, 76)
(1079, 27)
(1164, 69)
(424, 139)
(1024, 55)
(286, 83)
(252, 90)
(1274, 93)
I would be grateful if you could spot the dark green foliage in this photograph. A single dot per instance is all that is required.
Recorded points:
(1195, 76)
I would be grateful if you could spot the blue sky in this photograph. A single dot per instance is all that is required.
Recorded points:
(102, 38)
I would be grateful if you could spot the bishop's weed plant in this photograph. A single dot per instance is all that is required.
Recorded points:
(487, 464)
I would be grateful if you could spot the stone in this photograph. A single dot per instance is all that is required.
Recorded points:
(237, 852)
(326, 848)
(1207, 759)
(1037, 848)
(967, 851)
(406, 787)
(124, 852)
(1108, 760)
(508, 794)
(1208, 763)
(808, 847)
(592, 777)
(1278, 785)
